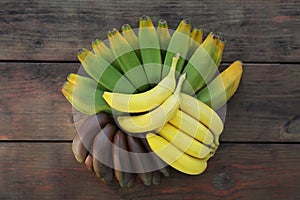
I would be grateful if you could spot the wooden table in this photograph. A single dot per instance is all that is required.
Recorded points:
(259, 156)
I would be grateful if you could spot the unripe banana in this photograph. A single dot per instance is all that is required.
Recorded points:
(104, 73)
(121, 160)
(100, 49)
(222, 88)
(132, 39)
(128, 60)
(163, 37)
(201, 112)
(192, 127)
(79, 150)
(150, 50)
(135, 146)
(174, 157)
(84, 95)
(141, 102)
(179, 43)
(102, 149)
(155, 119)
(202, 66)
(195, 41)
(81, 79)
(184, 142)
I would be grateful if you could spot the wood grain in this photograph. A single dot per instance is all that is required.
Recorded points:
(49, 171)
(264, 31)
(32, 107)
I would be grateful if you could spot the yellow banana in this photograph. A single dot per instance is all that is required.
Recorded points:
(145, 101)
(155, 119)
(174, 157)
(195, 41)
(222, 88)
(184, 142)
(201, 112)
(192, 127)
(150, 50)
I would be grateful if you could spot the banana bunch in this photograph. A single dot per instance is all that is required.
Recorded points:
(150, 91)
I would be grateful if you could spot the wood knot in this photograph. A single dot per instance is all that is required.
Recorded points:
(223, 181)
(291, 127)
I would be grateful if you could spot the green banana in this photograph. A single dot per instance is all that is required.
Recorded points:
(150, 50)
(179, 43)
(155, 119)
(104, 73)
(101, 50)
(129, 34)
(85, 96)
(222, 88)
(202, 65)
(163, 37)
(141, 102)
(128, 60)
(195, 41)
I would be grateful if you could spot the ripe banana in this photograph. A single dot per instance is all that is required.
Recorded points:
(163, 37)
(102, 149)
(84, 95)
(201, 67)
(174, 157)
(184, 142)
(79, 150)
(150, 50)
(155, 119)
(192, 127)
(179, 43)
(136, 147)
(222, 88)
(195, 41)
(89, 162)
(80, 79)
(129, 34)
(128, 60)
(101, 50)
(104, 73)
(141, 102)
(201, 112)
(121, 160)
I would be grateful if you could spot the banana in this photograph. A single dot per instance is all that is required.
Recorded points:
(79, 150)
(155, 119)
(121, 160)
(184, 142)
(104, 73)
(141, 102)
(89, 162)
(101, 50)
(102, 149)
(201, 112)
(174, 157)
(195, 41)
(222, 88)
(150, 50)
(163, 37)
(156, 178)
(135, 146)
(85, 96)
(129, 34)
(128, 60)
(179, 43)
(80, 79)
(202, 65)
(192, 127)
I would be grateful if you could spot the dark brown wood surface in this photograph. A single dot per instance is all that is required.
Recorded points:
(259, 154)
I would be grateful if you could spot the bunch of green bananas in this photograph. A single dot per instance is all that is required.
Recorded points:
(158, 92)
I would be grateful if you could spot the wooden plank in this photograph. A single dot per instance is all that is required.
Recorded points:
(237, 171)
(264, 31)
(32, 107)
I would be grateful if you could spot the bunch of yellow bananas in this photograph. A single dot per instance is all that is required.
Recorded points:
(157, 85)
